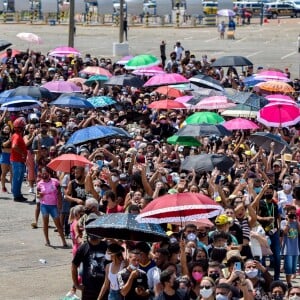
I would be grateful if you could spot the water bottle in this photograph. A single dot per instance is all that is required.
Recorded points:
(42, 261)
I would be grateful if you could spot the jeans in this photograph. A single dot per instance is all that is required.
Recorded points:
(18, 171)
(114, 295)
(275, 247)
(290, 264)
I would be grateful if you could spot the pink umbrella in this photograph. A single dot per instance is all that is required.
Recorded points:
(64, 51)
(29, 37)
(62, 87)
(279, 115)
(166, 104)
(124, 60)
(166, 79)
(96, 71)
(280, 98)
(240, 124)
(214, 102)
(184, 100)
(150, 71)
(272, 75)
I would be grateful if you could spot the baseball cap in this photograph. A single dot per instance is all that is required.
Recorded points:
(222, 220)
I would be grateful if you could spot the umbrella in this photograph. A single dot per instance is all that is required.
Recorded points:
(207, 162)
(240, 124)
(280, 98)
(279, 114)
(62, 87)
(252, 80)
(166, 104)
(150, 71)
(14, 52)
(275, 87)
(121, 132)
(204, 117)
(183, 140)
(96, 71)
(64, 51)
(226, 13)
(241, 110)
(214, 103)
(4, 44)
(125, 80)
(199, 223)
(229, 61)
(184, 100)
(29, 37)
(142, 61)
(272, 75)
(65, 162)
(67, 95)
(180, 207)
(101, 101)
(203, 130)
(124, 60)
(96, 78)
(77, 80)
(73, 102)
(206, 81)
(166, 79)
(252, 100)
(92, 133)
(4, 95)
(264, 139)
(124, 226)
(18, 103)
(36, 92)
(168, 91)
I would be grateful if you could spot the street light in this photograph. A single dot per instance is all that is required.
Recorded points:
(121, 32)
(261, 12)
(71, 23)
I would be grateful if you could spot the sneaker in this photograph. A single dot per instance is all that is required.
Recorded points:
(20, 199)
(72, 295)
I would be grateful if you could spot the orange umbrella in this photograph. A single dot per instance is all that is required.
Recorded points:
(14, 53)
(166, 104)
(276, 86)
(96, 71)
(169, 91)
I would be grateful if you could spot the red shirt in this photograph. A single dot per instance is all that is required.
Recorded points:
(116, 209)
(16, 156)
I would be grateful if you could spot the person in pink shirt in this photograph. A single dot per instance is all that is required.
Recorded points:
(48, 192)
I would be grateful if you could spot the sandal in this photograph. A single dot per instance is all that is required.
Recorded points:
(34, 226)
(47, 244)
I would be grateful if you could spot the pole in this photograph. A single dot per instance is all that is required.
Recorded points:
(261, 13)
(121, 33)
(71, 23)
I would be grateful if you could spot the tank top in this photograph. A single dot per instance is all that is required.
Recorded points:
(78, 191)
(113, 277)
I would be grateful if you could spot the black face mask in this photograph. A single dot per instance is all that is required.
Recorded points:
(175, 285)
(292, 216)
(44, 131)
(269, 196)
(214, 276)
(277, 297)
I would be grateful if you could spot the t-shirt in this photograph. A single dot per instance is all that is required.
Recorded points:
(92, 258)
(116, 209)
(17, 140)
(47, 141)
(49, 190)
(268, 210)
(290, 240)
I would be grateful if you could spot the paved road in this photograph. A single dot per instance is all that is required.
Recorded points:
(22, 276)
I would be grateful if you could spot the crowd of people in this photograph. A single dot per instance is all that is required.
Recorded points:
(237, 255)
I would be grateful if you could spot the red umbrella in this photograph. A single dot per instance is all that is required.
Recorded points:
(166, 104)
(169, 91)
(181, 207)
(65, 162)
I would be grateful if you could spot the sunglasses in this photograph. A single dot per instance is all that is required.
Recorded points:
(293, 294)
(205, 287)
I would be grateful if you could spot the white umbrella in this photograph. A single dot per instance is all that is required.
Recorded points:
(29, 37)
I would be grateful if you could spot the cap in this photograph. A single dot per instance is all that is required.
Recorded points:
(162, 117)
(277, 163)
(19, 122)
(131, 151)
(222, 220)
(58, 124)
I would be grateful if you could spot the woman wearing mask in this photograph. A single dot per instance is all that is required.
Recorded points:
(285, 196)
(5, 155)
(114, 254)
(294, 293)
(260, 278)
(207, 289)
(278, 290)
(197, 271)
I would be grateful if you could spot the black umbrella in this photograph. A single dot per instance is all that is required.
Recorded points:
(125, 80)
(264, 139)
(206, 81)
(123, 226)
(230, 61)
(203, 130)
(35, 92)
(71, 95)
(250, 99)
(4, 44)
(207, 162)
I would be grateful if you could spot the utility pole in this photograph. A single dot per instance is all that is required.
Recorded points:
(71, 23)
(121, 33)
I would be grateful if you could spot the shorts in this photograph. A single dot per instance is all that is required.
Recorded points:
(290, 264)
(51, 210)
(5, 158)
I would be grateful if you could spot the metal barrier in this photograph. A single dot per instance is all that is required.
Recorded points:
(210, 20)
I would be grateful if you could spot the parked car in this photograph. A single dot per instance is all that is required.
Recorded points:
(279, 9)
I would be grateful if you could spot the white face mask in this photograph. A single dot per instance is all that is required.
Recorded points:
(286, 186)
(114, 178)
(251, 273)
(132, 267)
(107, 256)
(97, 189)
(205, 293)
(295, 297)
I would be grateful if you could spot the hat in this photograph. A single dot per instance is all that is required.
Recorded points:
(58, 124)
(142, 145)
(162, 117)
(114, 249)
(172, 191)
(288, 158)
(277, 163)
(234, 253)
(131, 151)
(223, 220)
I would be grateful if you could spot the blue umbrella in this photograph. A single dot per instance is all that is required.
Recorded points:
(252, 81)
(92, 133)
(4, 95)
(101, 101)
(254, 101)
(124, 226)
(78, 95)
(122, 132)
(18, 103)
(36, 92)
(73, 102)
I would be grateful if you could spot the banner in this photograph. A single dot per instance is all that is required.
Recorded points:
(48, 6)
(163, 7)
(105, 7)
(194, 7)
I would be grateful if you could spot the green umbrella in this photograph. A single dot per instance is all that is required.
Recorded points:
(101, 101)
(96, 78)
(204, 117)
(183, 140)
(142, 61)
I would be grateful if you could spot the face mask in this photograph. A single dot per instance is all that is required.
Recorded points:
(175, 285)
(97, 189)
(214, 276)
(269, 196)
(107, 256)
(286, 186)
(257, 190)
(114, 178)
(221, 297)
(197, 276)
(191, 237)
(295, 297)
(292, 216)
(252, 273)
(205, 293)
(277, 297)
(132, 267)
